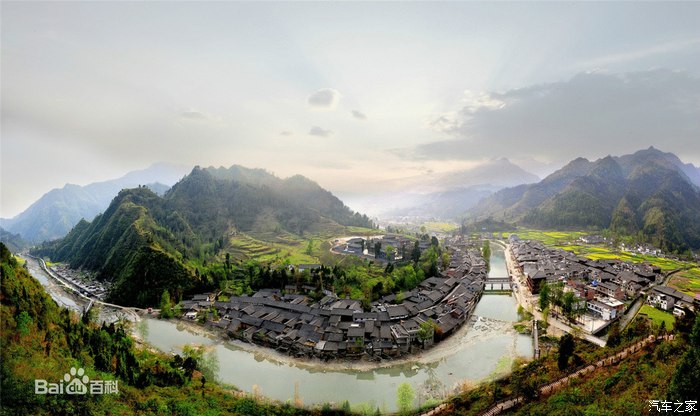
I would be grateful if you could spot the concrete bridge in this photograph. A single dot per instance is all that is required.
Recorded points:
(498, 284)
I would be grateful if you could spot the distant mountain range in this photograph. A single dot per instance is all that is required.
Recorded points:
(649, 193)
(446, 196)
(55, 213)
(145, 243)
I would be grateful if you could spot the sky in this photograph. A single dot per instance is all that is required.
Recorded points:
(353, 95)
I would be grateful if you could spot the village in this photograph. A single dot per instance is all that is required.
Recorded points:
(331, 328)
(602, 291)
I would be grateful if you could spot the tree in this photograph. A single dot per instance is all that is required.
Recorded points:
(614, 334)
(390, 250)
(406, 395)
(415, 254)
(310, 247)
(566, 350)
(568, 301)
(24, 321)
(426, 331)
(544, 296)
(166, 307)
(686, 379)
(486, 252)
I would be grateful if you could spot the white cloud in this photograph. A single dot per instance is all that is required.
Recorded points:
(324, 99)
(320, 132)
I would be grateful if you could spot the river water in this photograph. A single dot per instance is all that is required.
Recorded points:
(482, 349)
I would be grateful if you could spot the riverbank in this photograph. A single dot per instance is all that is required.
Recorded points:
(476, 329)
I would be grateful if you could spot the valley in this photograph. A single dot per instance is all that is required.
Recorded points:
(277, 276)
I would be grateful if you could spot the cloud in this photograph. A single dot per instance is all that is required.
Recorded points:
(286, 133)
(591, 112)
(324, 99)
(320, 132)
(359, 115)
(644, 53)
(194, 115)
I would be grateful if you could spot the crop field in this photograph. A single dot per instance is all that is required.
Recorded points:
(440, 227)
(549, 238)
(687, 281)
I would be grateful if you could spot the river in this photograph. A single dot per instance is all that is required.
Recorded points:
(482, 349)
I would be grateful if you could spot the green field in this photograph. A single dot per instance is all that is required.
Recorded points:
(440, 227)
(549, 238)
(687, 281)
(657, 316)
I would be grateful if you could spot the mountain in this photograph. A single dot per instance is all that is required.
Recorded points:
(446, 195)
(55, 213)
(14, 242)
(650, 193)
(145, 244)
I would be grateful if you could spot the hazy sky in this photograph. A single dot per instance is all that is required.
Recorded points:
(349, 94)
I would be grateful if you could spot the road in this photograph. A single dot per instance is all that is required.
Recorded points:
(66, 295)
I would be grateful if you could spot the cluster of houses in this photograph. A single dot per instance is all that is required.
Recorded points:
(670, 300)
(334, 327)
(401, 246)
(602, 287)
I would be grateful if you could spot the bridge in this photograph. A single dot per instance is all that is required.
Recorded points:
(497, 284)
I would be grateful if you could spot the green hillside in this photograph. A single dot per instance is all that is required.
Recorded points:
(168, 243)
(646, 195)
(42, 341)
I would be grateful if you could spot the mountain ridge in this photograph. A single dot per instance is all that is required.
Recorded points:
(57, 211)
(145, 243)
(650, 194)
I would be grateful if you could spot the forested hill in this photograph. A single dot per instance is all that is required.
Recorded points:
(146, 244)
(649, 194)
(296, 189)
(42, 341)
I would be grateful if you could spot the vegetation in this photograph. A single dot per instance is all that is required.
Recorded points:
(657, 316)
(646, 195)
(169, 243)
(619, 389)
(687, 281)
(14, 242)
(486, 253)
(42, 341)
(406, 395)
(686, 380)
